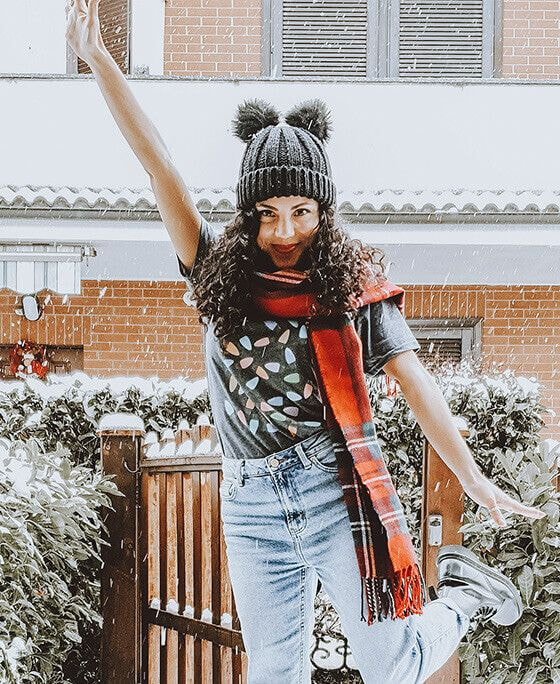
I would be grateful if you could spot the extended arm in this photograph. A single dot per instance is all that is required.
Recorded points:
(178, 211)
(432, 412)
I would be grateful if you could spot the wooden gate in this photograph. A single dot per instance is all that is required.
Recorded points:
(168, 608)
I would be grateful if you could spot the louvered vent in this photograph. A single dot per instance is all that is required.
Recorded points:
(441, 38)
(324, 38)
(440, 349)
(114, 22)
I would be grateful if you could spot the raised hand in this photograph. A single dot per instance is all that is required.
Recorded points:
(83, 32)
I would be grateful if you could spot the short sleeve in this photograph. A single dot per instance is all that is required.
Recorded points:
(384, 333)
(206, 240)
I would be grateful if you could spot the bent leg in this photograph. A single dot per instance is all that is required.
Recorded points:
(395, 651)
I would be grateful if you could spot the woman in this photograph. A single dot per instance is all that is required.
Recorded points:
(294, 313)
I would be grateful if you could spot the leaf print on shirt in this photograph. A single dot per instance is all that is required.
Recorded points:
(253, 425)
(252, 383)
(262, 373)
(284, 336)
(232, 349)
(289, 355)
(246, 342)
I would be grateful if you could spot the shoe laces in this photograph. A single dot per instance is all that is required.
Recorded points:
(485, 612)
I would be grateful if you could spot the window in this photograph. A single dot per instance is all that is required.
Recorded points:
(62, 360)
(447, 339)
(28, 268)
(114, 19)
(380, 38)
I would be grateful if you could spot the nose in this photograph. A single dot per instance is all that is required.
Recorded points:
(284, 228)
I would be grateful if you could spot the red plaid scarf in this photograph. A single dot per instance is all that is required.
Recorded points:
(392, 581)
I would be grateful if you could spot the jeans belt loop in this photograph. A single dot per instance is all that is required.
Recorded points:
(303, 456)
(241, 473)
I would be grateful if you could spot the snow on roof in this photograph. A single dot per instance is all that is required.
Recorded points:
(352, 201)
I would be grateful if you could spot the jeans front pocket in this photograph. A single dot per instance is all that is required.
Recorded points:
(324, 458)
(228, 488)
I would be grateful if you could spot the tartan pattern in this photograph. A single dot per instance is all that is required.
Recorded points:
(392, 582)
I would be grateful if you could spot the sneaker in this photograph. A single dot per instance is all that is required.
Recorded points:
(477, 588)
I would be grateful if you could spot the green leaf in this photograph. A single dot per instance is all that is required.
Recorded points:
(525, 582)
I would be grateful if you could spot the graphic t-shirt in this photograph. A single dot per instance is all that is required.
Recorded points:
(263, 391)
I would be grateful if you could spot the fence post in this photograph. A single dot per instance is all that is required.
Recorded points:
(442, 495)
(121, 605)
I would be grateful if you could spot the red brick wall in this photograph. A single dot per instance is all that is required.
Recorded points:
(125, 327)
(135, 328)
(519, 329)
(212, 37)
(531, 39)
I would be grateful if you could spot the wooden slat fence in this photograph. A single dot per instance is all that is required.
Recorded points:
(175, 565)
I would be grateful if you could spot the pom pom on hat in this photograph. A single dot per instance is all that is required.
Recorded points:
(312, 115)
(252, 116)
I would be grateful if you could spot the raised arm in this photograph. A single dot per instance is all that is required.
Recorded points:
(176, 206)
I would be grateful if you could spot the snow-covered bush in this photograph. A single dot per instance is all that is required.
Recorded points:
(65, 410)
(50, 527)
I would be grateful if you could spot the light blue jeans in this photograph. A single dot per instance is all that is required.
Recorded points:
(285, 524)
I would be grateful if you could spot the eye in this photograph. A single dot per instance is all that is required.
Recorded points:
(262, 212)
(302, 209)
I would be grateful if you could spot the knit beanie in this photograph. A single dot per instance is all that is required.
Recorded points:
(283, 159)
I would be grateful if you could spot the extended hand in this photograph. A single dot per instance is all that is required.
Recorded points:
(82, 28)
(485, 493)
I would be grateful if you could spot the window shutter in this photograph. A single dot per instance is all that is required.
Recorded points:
(444, 349)
(114, 22)
(442, 38)
(324, 38)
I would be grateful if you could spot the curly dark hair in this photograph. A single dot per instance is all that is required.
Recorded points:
(338, 268)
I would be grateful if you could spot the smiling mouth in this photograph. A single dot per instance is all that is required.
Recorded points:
(284, 249)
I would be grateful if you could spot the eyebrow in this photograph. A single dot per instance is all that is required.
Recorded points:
(269, 206)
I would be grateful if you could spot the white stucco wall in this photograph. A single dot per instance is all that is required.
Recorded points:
(386, 135)
(32, 36)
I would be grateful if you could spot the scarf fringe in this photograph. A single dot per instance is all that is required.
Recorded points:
(396, 597)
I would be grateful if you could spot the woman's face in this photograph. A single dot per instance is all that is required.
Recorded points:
(288, 226)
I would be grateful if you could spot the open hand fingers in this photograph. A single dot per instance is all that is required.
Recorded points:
(92, 9)
(497, 516)
(510, 504)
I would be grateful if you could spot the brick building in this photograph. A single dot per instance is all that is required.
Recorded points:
(478, 260)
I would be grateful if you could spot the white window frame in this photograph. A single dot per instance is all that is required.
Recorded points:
(468, 330)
